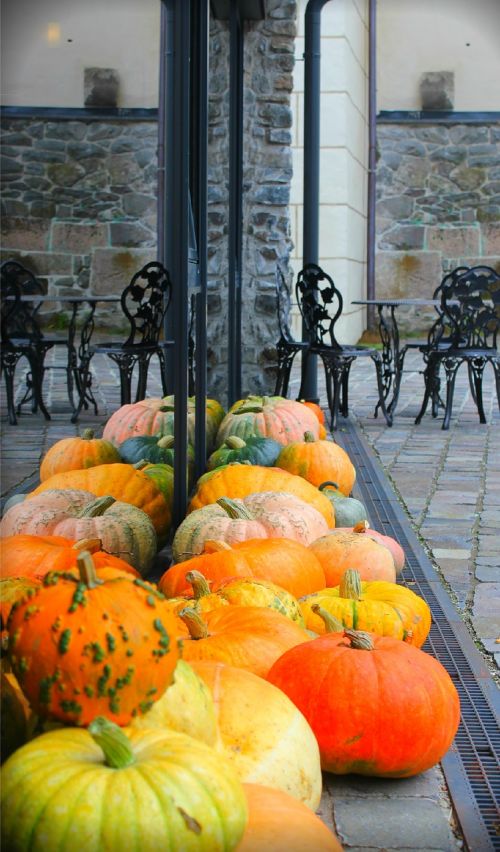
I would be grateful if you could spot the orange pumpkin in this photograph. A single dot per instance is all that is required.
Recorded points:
(341, 549)
(284, 420)
(76, 453)
(282, 561)
(87, 645)
(240, 480)
(121, 481)
(354, 688)
(36, 555)
(248, 637)
(317, 461)
(277, 822)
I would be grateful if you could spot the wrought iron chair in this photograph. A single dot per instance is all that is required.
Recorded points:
(320, 304)
(144, 303)
(287, 347)
(21, 338)
(470, 306)
(438, 337)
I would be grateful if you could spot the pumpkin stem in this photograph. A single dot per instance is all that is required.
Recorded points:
(211, 546)
(332, 624)
(350, 585)
(114, 743)
(199, 584)
(90, 544)
(361, 527)
(248, 409)
(165, 408)
(235, 508)
(140, 464)
(166, 442)
(97, 507)
(360, 640)
(329, 484)
(234, 442)
(196, 626)
(87, 570)
(87, 434)
(309, 438)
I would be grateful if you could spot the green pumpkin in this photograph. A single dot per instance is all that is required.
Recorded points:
(348, 510)
(162, 476)
(255, 450)
(153, 449)
(113, 788)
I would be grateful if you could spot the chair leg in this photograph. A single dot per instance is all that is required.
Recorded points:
(37, 374)
(476, 370)
(429, 379)
(142, 381)
(496, 368)
(9, 363)
(163, 375)
(125, 365)
(451, 366)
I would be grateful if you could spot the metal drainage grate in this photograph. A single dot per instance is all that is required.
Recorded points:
(472, 765)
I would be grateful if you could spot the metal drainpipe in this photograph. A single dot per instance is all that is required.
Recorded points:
(312, 97)
(372, 161)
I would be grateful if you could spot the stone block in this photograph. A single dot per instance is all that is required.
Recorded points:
(79, 238)
(406, 237)
(65, 174)
(130, 234)
(454, 242)
(112, 269)
(44, 263)
(491, 238)
(396, 207)
(407, 274)
(437, 90)
(123, 170)
(27, 234)
(100, 87)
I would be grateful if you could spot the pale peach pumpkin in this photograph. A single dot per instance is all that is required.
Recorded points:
(341, 549)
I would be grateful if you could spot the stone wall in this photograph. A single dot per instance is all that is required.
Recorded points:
(79, 198)
(438, 205)
(79, 203)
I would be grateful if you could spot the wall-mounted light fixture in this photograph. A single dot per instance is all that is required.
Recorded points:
(53, 34)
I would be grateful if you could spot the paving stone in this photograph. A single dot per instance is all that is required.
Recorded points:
(377, 822)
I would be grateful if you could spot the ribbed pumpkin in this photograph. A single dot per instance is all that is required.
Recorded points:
(387, 609)
(76, 453)
(155, 416)
(85, 644)
(255, 450)
(35, 555)
(318, 411)
(248, 637)
(123, 529)
(186, 706)
(317, 461)
(158, 790)
(240, 480)
(354, 688)
(287, 563)
(348, 510)
(123, 482)
(269, 514)
(261, 732)
(275, 417)
(244, 591)
(341, 549)
(279, 823)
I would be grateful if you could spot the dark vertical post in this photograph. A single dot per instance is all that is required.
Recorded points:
(160, 215)
(199, 168)
(235, 201)
(177, 228)
(312, 97)
(166, 125)
(372, 161)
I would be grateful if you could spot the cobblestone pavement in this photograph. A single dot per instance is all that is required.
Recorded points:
(448, 482)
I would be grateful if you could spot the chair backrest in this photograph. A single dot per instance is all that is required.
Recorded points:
(144, 302)
(440, 331)
(20, 322)
(284, 306)
(471, 302)
(320, 304)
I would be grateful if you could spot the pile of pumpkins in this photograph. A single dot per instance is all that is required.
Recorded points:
(198, 711)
